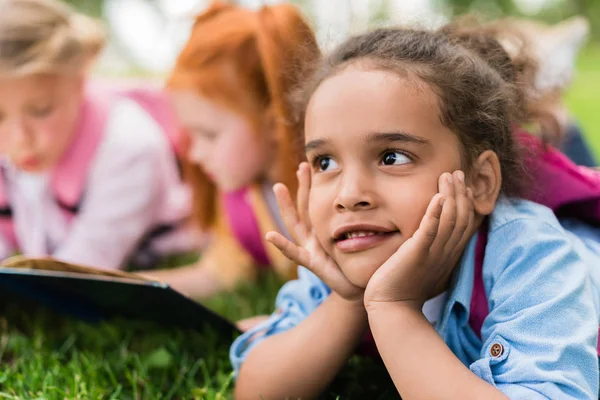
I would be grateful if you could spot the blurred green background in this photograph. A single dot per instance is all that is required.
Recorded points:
(146, 35)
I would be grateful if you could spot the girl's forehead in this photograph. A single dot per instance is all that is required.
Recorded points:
(33, 88)
(358, 101)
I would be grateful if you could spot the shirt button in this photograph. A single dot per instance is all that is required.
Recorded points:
(496, 350)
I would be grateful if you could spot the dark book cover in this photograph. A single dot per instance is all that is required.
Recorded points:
(95, 294)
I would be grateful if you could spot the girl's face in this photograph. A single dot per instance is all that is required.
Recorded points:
(38, 116)
(223, 143)
(377, 148)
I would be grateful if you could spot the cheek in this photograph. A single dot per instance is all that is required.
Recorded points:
(53, 134)
(409, 203)
(320, 212)
(248, 152)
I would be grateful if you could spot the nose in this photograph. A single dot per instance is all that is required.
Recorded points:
(355, 191)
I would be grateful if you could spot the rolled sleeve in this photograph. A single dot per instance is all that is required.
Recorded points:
(296, 300)
(539, 339)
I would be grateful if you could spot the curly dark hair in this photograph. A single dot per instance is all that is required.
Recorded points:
(482, 92)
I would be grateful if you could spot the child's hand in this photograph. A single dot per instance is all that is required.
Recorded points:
(308, 252)
(422, 266)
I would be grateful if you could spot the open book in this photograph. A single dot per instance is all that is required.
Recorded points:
(95, 294)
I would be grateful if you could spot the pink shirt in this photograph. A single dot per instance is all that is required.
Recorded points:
(132, 185)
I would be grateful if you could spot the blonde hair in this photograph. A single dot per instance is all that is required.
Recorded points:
(46, 36)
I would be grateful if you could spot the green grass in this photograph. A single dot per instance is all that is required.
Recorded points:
(583, 98)
(45, 356)
(48, 356)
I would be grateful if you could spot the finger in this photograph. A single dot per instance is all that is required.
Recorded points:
(303, 174)
(428, 229)
(446, 185)
(448, 216)
(288, 211)
(463, 210)
(288, 248)
(471, 222)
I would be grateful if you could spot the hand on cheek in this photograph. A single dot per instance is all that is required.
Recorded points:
(421, 267)
(306, 249)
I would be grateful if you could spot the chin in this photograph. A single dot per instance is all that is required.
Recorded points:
(360, 267)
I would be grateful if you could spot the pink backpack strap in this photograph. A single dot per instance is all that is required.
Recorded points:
(244, 225)
(154, 100)
(479, 305)
(69, 176)
(156, 103)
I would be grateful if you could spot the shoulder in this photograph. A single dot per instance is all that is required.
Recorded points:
(518, 223)
(133, 145)
(518, 212)
(526, 242)
(130, 128)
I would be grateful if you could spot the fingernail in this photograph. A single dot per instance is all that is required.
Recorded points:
(461, 176)
(442, 200)
(449, 178)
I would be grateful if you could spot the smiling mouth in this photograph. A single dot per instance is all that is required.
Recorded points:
(353, 241)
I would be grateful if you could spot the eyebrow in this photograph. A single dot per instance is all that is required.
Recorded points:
(396, 137)
(376, 136)
(315, 144)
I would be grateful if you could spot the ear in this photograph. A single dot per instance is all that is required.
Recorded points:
(485, 180)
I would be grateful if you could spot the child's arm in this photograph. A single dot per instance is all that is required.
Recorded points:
(194, 281)
(221, 267)
(539, 339)
(298, 351)
(302, 361)
(418, 360)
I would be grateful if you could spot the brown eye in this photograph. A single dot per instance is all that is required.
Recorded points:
(326, 164)
(394, 158)
(389, 158)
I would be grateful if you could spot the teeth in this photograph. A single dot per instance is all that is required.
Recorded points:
(351, 235)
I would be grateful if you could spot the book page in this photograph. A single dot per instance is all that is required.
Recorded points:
(50, 264)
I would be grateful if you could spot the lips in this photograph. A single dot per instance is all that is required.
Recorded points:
(29, 162)
(355, 238)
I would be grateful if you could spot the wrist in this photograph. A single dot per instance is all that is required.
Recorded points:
(354, 306)
(385, 307)
(400, 315)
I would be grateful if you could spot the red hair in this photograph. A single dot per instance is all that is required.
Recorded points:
(247, 61)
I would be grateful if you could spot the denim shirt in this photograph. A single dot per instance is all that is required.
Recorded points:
(542, 280)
